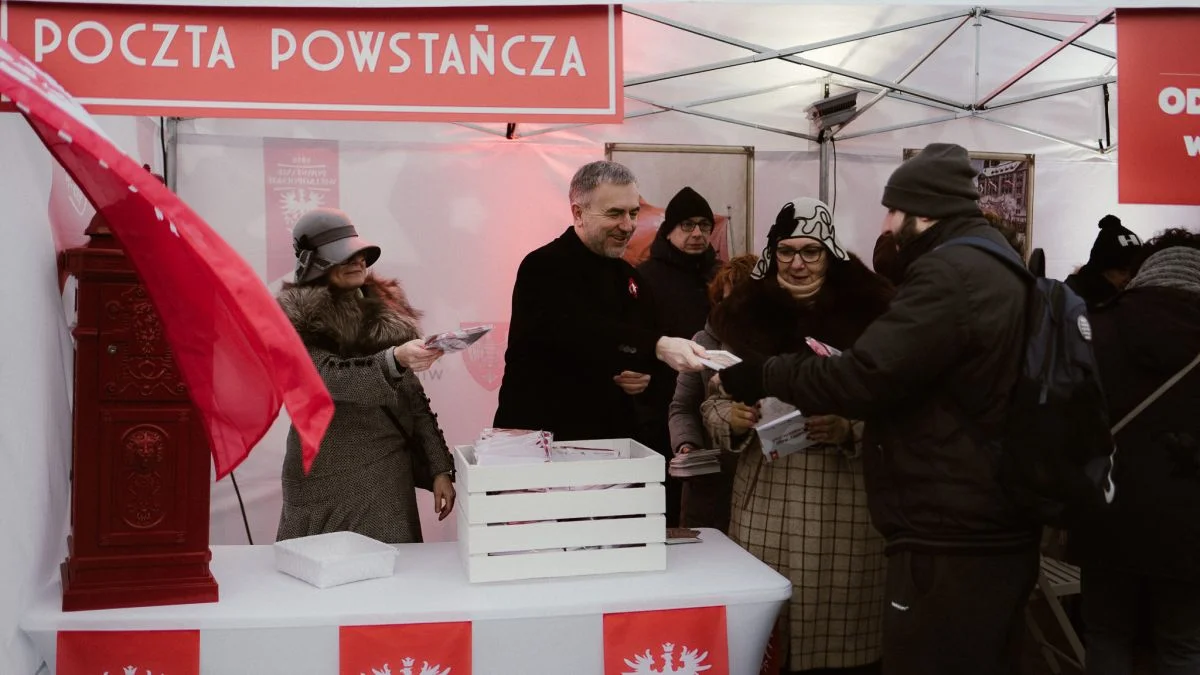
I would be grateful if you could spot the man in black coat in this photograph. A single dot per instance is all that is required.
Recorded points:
(1141, 560)
(681, 264)
(583, 338)
(932, 377)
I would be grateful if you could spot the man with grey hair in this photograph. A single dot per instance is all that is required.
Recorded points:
(583, 334)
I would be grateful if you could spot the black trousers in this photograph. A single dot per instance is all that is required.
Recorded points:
(956, 614)
(1116, 605)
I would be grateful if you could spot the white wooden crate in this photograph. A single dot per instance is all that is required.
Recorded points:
(540, 545)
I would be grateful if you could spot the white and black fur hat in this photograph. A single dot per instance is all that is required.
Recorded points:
(801, 217)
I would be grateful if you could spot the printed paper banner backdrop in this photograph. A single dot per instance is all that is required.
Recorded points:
(300, 175)
(1158, 106)
(516, 64)
(409, 649)
(129, 652)
(679, 641)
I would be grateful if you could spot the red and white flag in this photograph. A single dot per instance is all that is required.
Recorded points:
(237, 352)
(678, 641)
(406, 649)
(135, 652)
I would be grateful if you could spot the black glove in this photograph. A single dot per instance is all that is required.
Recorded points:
(744, 381)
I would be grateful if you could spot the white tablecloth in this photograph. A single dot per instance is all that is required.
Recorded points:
(268, 622)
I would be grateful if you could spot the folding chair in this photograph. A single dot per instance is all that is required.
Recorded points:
(1057, 579)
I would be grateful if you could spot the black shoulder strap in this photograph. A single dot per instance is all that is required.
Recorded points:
(1005, 253)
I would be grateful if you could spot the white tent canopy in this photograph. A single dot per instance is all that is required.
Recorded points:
(455, 206)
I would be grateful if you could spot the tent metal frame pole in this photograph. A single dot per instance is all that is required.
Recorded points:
(1089, 84)
(904, 75)
(721, 118)
(1002, 18)
(908, 125)
(823, 161)
(978, 50)
(763, 53)
(1035, 132)
(1037, 16)
(1063, 44)
(480, 129)
(689, 105)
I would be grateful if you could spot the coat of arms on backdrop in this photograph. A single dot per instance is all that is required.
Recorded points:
(1005, 185)
(299, 175)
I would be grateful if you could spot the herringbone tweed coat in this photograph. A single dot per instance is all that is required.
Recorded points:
(384, 440)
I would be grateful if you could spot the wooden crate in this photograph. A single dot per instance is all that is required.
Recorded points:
(521, 534)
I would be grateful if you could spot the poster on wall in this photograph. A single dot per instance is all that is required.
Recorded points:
(723, 175)
(1159, 106)
(299, 175)
(1005, 183)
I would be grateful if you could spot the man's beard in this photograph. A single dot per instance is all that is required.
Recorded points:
(907, 233)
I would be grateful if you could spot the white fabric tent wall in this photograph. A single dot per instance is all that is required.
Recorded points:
(35, 382)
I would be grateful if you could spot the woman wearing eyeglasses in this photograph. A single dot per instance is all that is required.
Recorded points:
(384, 440)
(805, 514)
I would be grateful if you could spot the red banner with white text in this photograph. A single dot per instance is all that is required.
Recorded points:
(503, 64)
(1158, 106)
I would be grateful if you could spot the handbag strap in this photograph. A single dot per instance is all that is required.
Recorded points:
(1156, 395)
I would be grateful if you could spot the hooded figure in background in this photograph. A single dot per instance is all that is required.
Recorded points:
(384, 440)
(682, 262)
(1110, 265)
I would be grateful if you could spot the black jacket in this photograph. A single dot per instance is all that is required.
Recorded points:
(932, 378)
(1142, 338)
(578, 319)
(679, 283)
(1090, 284)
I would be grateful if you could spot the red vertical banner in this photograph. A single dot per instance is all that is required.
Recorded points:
(679, 641)
(171, 652)
(1159, 106)
(299, 175)
(406, 649)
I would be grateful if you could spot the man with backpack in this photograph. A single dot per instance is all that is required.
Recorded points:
(934, 377)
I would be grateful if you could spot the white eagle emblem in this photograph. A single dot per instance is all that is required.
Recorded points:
(407, 669)
(691, 662)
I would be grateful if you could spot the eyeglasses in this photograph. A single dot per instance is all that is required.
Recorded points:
(809, 254)
(689, 226)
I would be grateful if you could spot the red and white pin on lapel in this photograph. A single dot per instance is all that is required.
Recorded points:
(633, 289)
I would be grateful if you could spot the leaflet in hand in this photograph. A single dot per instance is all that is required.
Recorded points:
(784, 436)
(718, 359)
(821, 349)
(456, 340)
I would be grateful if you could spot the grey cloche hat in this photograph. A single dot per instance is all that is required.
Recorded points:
(323, 238)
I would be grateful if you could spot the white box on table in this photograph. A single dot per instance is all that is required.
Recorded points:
(520, 534)
(335, 558)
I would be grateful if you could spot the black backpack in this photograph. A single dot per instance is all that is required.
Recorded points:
(1057, 452)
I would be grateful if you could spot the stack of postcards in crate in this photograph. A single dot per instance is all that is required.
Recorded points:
(582, 507)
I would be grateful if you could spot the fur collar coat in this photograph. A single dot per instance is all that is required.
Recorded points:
(351, 323)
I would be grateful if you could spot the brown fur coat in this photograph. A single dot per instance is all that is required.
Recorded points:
(350, 323)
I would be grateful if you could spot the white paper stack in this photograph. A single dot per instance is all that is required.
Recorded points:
(698, 462)
(335, 558)
(512, 446)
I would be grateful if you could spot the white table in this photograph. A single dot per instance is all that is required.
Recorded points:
(270, 623)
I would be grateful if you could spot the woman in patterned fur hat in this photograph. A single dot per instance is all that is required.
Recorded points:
(805, 514)
(384, 440)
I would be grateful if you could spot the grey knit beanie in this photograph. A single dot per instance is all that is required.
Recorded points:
(1175, 267)
(938, 182)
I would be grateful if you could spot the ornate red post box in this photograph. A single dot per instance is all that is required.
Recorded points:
(140, 461)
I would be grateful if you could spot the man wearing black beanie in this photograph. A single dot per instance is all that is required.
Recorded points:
(932, 378)
(682, 262)
(1110, 265)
